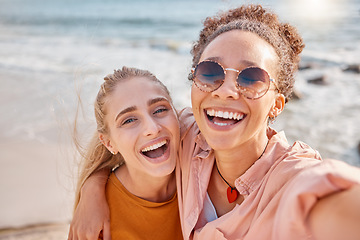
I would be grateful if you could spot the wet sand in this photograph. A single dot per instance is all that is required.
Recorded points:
(38, 232)
(37, 185)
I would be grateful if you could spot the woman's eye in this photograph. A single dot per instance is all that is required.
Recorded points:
(160, 110)
(127, 121)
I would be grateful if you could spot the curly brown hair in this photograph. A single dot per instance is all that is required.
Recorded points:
(285, 39)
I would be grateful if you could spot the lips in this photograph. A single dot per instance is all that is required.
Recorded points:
(224, 118)
(156, 150)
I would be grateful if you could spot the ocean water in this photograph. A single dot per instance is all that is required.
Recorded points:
(51, 52)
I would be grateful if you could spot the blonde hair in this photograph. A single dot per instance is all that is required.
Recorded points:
(284, 38)
(96, 156)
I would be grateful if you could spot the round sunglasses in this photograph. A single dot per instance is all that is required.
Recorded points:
(252, 82)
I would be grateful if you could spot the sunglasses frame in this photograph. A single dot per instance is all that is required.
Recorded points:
(241, 89)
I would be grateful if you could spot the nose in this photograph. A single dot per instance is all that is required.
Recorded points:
(229, 89)
(151, 126)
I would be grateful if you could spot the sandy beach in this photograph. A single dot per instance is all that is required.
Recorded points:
(33, 196)
(38, 232)
(44, 195)
(38, 169)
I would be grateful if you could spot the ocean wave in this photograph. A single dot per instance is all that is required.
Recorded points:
(108, 22)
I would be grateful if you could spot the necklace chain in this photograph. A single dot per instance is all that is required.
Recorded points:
(234, 188)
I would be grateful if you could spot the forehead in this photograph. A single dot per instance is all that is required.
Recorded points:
(136, 91)
(240, 46)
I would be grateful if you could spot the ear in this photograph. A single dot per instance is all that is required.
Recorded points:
(105, 140)
(278, 106)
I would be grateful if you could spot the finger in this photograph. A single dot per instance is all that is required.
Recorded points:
(91, 235)
(70, 235)
(106, 230)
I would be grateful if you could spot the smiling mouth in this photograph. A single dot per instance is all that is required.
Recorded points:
(224, 118)
(155, 151)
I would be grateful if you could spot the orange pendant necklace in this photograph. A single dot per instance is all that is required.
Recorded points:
(232, 192)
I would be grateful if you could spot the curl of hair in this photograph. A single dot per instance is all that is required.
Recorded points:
(283, 37)
(96, 156)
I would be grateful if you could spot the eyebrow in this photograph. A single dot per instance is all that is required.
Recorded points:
(156, 100)
(126, 110)
(134, 108)
(244, 62)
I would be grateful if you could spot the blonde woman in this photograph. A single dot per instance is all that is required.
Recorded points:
(141, 134)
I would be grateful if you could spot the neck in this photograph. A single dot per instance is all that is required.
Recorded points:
(231, 165)
(234, 163)
(154, 189)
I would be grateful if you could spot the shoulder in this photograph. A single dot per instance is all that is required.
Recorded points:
(281, 149)
(188, 126)
(186, 118)
(113, 186)
(287, 161)
(301, 151)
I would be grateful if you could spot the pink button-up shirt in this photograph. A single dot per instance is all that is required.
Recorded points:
(279, 189)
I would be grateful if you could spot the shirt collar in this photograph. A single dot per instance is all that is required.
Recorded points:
(252, 178)
(204, 149)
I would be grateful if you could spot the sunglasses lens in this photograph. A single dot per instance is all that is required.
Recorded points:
(253, 82)
(208, 76)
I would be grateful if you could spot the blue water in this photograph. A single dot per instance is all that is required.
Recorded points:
(141, 19)
(329, 29)
(130, 20)
(50, 49)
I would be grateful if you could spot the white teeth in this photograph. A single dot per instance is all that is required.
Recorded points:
(155, 146)
(226, 115)
(221, 124)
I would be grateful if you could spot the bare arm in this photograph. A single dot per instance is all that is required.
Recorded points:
(337, 216)
(92, 213)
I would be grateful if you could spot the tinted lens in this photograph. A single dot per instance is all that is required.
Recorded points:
(253, 82)
(209, 76)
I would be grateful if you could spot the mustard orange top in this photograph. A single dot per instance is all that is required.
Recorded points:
(132, 217)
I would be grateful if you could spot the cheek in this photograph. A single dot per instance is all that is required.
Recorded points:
(171, 124)
(175, 127)
(196, 97)
(125, 140)
(260, 109)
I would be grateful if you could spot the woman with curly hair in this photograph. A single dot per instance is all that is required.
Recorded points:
(242, 179)
(237, 178)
